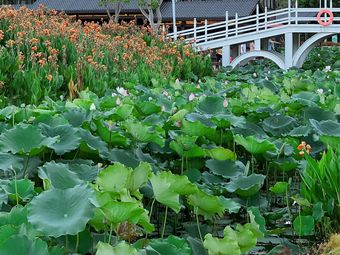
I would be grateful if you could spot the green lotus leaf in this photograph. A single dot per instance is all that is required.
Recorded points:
(212, 105)
(148, 108)
(59, 212)
(9, 162)
(16, 217)
(258, 221)
(139, 177)
(231, 205)
(327, 128)
(58, 175)
(304, 225)
(120, 249)
(118, 212)
(207, 205)
(279, 188)
(25, 140)
(124, 111)
(218, 246)
(126, 157)
(197, 129)
(318, 114)
(68, 137)
(285, 164)
(227, 120)
(227, 168)
(195, 117)
(254, 145)
(167, 187)
(172, 245)
(196, 246)
(246, 186)
(85, 172)
(24, 188)
(7, 231)
(306, 98)
(92, 144)
(20, 244)
(144, 133)
(221, 154)
(110, 135)
(194, 152)
(76, 116)
(249, 129)
(300, 131)
(114, 178)
(179, 116)
(279, 125)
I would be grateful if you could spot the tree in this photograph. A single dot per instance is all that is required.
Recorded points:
(149, 9)
(117, 5)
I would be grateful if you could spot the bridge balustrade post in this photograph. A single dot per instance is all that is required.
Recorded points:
(205, 30)
(288, 50)
(289, 12)
(226, 24)
(296, 12)
(226, 55)
(195, 31)
(257, 17)
(265, 17)
(236, 23)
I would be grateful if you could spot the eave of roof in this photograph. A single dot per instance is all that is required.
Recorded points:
(185, 10)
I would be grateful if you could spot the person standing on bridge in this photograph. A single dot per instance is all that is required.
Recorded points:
(271, 44)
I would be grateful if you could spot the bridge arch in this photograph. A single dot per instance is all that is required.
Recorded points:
(277, 58)
(303, 51)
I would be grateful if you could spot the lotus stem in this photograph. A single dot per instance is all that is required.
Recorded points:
(16, 188)
(164, 223)
(110, 234)
(77, 243)
(150, 215)
(66, 245)
(198, 224)
(26, 166)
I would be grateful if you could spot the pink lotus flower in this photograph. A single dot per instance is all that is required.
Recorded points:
(191, 97)
(225, 103)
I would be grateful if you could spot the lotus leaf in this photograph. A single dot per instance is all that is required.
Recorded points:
(227, 168)
(220, 153)
(25, 140)
(68, 137)
(246, 186)
(58, 176)
(114, 178)
(144, 133)
(172, 245)
(59, 212)
(91, 143)
(20, 244)
(279, 125)
(327, 128)
(24, 188)
(207, 205)
(110, 134)
(279, 187)
(304, 225)
(212, 105)
(231, 205)
(120, 249)
(167, 187)
(253, 145)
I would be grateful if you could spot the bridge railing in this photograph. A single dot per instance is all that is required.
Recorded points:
(260, 22)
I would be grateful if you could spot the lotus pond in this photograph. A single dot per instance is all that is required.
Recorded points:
(245, 162)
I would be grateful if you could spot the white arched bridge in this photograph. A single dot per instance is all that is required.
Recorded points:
(259, 29)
